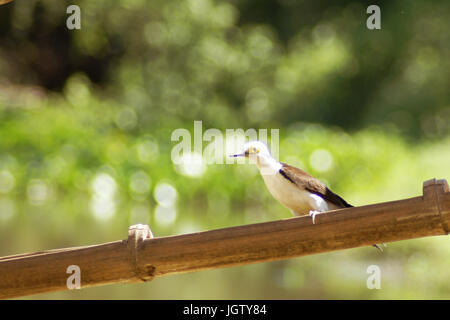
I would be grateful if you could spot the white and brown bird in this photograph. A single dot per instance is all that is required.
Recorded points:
(292, 187)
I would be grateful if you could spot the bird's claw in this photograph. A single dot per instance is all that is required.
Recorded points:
(313, 214)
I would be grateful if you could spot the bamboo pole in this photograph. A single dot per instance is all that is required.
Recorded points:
(142, 257)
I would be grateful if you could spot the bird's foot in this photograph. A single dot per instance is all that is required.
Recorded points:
(313, 214)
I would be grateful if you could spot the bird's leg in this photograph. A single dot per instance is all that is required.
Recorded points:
(318, 204)
(313, 214)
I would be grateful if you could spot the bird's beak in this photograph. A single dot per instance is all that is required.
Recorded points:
(237, 155)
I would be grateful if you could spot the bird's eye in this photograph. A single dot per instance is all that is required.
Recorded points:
(255, 150)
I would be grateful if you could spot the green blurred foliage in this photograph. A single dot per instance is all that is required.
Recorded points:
(86, 118)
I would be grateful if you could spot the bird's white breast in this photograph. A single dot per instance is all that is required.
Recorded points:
(299, 201)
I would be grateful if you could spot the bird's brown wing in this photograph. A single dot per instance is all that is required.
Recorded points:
(304, 180)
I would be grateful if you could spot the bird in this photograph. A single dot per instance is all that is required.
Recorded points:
(294, 188)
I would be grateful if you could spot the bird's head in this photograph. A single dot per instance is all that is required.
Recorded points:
(254, 150)
(259, 154)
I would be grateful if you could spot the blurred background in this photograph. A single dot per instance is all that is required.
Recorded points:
(86, 118)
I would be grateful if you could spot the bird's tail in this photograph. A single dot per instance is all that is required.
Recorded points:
(379, 246)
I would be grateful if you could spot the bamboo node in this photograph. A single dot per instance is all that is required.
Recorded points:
(136, 235)
(435, 189)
